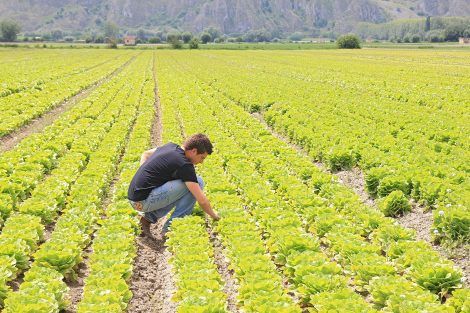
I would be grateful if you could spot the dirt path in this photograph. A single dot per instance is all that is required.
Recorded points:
(417, 219)
(7, 142)
(230, 284)
(152, 281)
(76, 287)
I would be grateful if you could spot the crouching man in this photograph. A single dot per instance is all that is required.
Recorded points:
(167, 179)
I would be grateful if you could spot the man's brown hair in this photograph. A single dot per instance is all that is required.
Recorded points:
(199, 141)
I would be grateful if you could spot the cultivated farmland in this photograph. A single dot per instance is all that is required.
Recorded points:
(341, 179)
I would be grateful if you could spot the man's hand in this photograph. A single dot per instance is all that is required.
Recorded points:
(138, 206)
(201, 198)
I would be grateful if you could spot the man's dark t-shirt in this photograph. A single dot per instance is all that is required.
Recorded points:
(167, 163)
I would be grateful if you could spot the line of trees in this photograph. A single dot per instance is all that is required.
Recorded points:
(434, 29)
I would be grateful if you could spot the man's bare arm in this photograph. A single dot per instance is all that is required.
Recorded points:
(201, 198)
(146, 155)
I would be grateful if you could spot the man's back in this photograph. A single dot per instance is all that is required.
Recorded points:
(167, 163)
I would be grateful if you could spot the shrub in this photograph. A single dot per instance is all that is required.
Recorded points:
(395, 204)
(205, 38)
(187, 36)
(194, 43)
(415, 39)
(350, 41)
(176, 43)
(155, 40)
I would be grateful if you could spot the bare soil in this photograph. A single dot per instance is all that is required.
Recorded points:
(418, 219)
(157, 127)
(76, 287)
(152, 279)
(36, 125)
(354, 179)
(231, 285)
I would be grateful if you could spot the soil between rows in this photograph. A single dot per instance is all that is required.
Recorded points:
(152, 279)
(230, 284)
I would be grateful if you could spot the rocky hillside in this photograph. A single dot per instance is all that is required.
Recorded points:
(230, 16)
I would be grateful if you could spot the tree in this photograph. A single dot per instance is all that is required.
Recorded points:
(427, 26)
(435, 35)
(349, 41)
(57, 35)
(205, 37)
(141, 35)
(112, 43)
(111, 30)
(10, 30)
(176, 43)
(454, 31)
(175, 40)
(194, 43)
(297, 36)
(172, 37)
(214, 32)
(187, 36)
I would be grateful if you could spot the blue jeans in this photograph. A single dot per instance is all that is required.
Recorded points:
(161, 200)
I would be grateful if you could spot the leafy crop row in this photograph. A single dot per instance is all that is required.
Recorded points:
(23, 167)
(408, 132)
(24, 229)
(198, 283)
(260, 287)
(286, 236)
(60, 255)
(114, 249)
(23, 70)
(19, 108)
(356, 236)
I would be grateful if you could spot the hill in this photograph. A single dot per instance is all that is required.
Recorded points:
(229, 16)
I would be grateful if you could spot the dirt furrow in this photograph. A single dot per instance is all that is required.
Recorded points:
(230, 284)
(8, 141)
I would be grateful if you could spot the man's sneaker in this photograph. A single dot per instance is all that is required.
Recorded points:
(145, 224)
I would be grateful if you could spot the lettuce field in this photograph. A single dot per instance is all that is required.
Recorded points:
(288, 127)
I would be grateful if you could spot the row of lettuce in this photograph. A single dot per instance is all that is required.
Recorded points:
(259, 285)
(29, 91)
(22, 167)
(199, 285)
(114, 250)
(407, 132)
(28, 69)
(335, 253)
(75, 187)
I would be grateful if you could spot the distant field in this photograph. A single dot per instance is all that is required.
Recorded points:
(341, 176)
